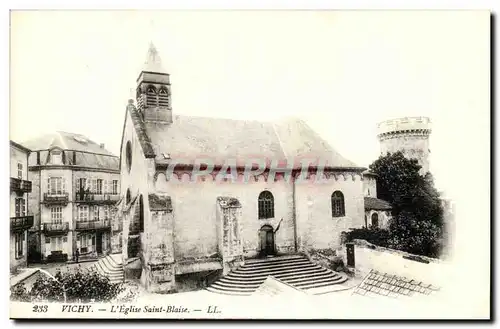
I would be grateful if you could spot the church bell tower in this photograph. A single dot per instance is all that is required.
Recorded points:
(153, 90)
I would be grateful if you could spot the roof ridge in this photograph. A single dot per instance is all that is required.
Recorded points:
(273, 124)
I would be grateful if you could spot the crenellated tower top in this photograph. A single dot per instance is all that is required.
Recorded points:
(409, 135)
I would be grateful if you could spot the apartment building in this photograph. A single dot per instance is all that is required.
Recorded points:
(75, 190)
(20, 219)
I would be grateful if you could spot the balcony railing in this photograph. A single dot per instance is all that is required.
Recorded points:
(102, 224)
(21, 222)
(19, 185)
(86, 197)
(56, 199)
(53, 228)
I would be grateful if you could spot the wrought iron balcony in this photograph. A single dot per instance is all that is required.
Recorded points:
(103, 224)
(56, 199)
(53, 228)
(21, 222)
(95, 198)
(19, 185)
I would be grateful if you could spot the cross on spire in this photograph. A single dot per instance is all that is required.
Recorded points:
(153, 60)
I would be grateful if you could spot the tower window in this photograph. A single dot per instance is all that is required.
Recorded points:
(151, 96)
(338, 206)
(266, 205)
(128, 155)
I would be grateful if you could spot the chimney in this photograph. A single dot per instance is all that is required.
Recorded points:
(102, 145)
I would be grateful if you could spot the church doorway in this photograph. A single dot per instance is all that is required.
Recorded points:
(266, 237)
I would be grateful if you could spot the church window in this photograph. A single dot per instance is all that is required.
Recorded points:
(375, 220)
(141, 214)
(151, 96)
(128, 197)
(266, 205)
(338, 206)
(163, 99)
(128, 155)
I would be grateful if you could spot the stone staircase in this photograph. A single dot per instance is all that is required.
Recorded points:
(295, 270)
(111, 267)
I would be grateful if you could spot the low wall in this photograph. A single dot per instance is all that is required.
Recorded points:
(429, 270)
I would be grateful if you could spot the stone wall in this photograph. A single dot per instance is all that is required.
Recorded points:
(429, 270)
(194, 205)
(316, 226)
(383, 218)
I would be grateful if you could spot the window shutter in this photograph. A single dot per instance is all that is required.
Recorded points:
(48, 156)
(63, 156)
(63, 185)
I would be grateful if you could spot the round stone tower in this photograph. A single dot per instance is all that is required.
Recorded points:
(409, 135)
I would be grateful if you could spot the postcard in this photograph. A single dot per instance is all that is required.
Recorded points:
(319, 164)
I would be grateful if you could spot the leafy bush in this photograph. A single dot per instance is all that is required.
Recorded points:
(377, 236)
(77, 286)
(417, 223)
(19, 293)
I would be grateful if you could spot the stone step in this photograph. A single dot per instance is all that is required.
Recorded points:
(110, 274)
(277, 261)
(110, 264)
(296, 271)
(324, 284)
(109, 271)
(304, 279)
(277, 276)
(277, 270)
(315, 281)
(273, 265)
(271, 259)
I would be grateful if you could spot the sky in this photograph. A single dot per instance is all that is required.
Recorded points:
(340, 71)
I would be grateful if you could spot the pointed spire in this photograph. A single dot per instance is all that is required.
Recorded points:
(153, 60)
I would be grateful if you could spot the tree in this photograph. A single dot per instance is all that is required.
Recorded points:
(75, 286)
(417, 213)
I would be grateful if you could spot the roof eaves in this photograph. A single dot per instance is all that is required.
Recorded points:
(140, 129)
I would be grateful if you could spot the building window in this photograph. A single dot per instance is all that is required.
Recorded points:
(338, 207)
(95, 212)
(99, 186)
(115, 186)
(83, 213)
(56, 157)
(56, 215)
(56, 185)
(56, 244)
(20, 207)
(375, 220)
(128, 155)
(266, 205)
(19, 170)
(19, 240)
(106, 212)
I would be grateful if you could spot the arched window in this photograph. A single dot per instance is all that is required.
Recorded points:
(163, 99)
(128, 155)
(338, 207)
(128, 197)
(266, 205)
(151, 96)
(141, 214)
(375, 220)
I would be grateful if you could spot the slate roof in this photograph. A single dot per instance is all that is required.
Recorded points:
(383, 284)
(89, 153)
(191, 137)
(376, 204)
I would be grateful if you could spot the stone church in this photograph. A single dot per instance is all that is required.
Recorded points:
(179, 228)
